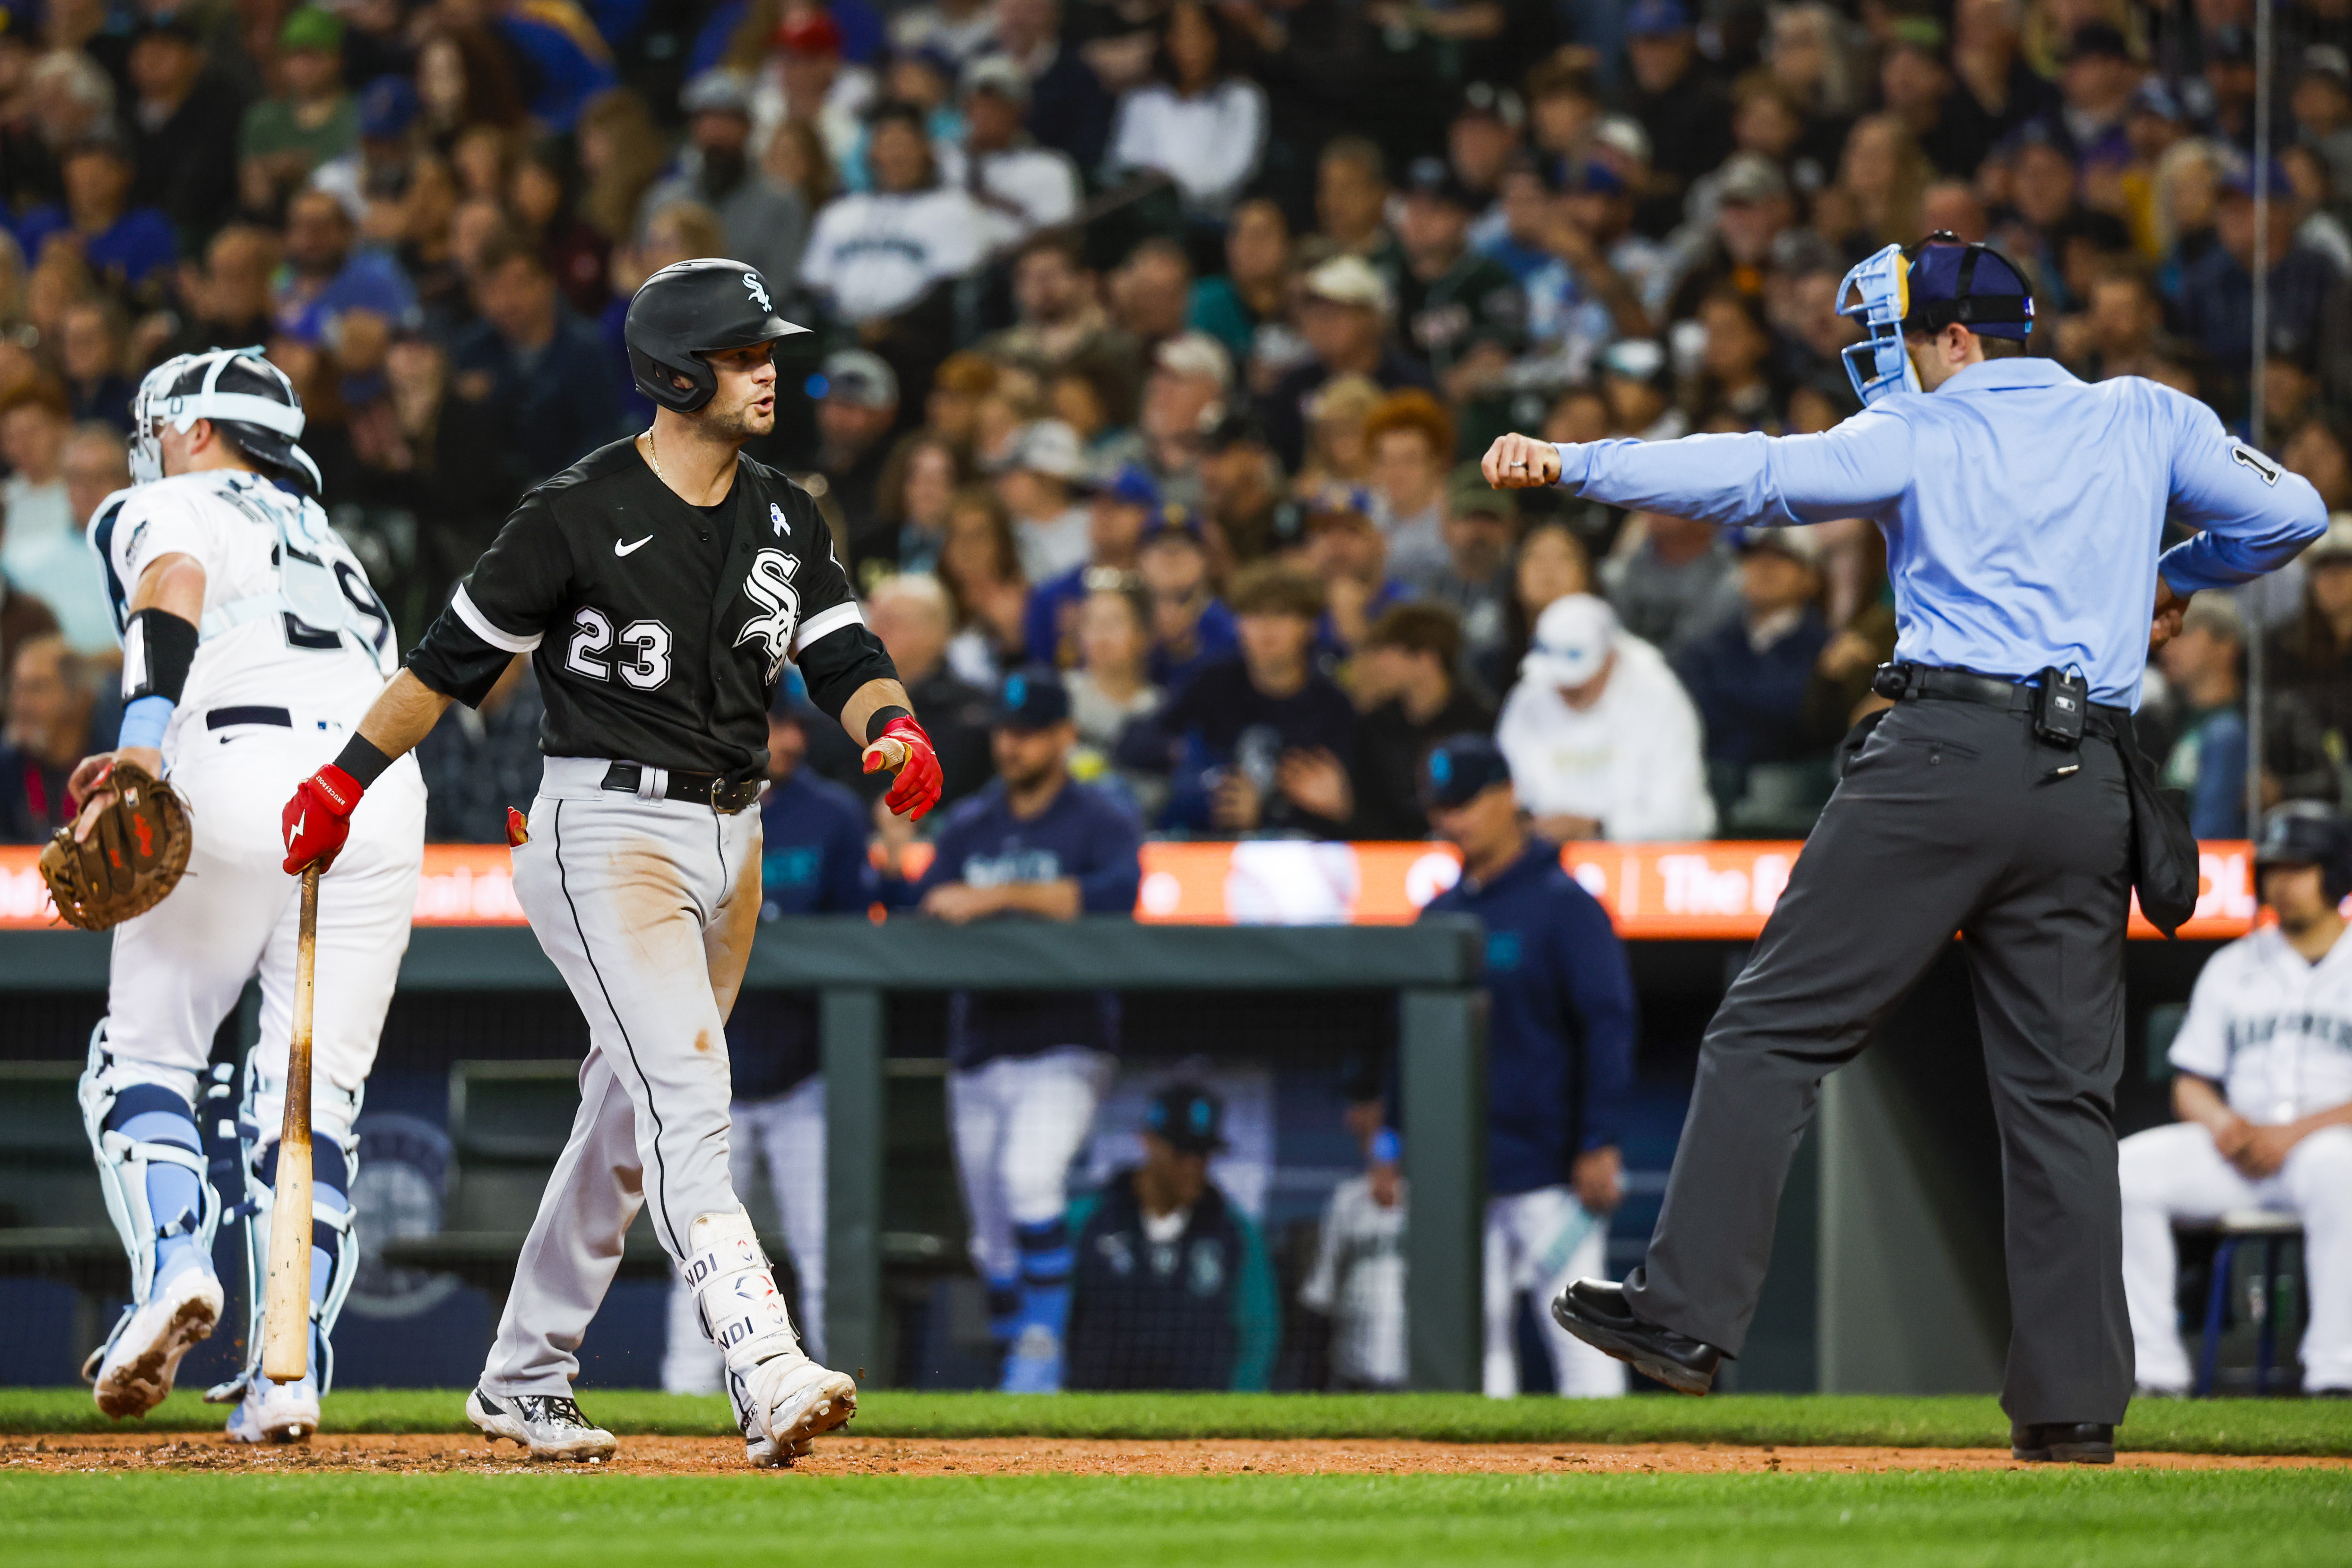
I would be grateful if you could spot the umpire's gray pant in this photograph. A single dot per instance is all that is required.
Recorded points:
(1945, 821)
(648, 907)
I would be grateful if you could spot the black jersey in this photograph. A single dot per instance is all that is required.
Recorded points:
(656, 639)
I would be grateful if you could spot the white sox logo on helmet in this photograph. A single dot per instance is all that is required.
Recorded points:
(758, 290)
(770, 586)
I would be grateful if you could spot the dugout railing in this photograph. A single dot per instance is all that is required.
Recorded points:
(1431, 967)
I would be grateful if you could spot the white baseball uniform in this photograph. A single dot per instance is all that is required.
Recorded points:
(2276, 1033)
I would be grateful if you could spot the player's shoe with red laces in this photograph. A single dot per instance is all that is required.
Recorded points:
(549, 1425)
(276, 1412)
(132, 1371)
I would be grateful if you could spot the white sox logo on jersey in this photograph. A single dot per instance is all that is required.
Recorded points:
(771, 587)
(758, 290)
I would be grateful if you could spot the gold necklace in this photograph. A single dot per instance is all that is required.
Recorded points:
(653, 455)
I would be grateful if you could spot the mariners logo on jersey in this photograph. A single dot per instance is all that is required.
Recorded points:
(770, 586)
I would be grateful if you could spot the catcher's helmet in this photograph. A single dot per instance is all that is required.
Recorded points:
(2308, 833)
(249, 400)
(690, 309)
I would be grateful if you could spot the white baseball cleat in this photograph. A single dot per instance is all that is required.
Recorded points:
(761, 1451)
(132, 1371)
(276, 1412)
(549, 1425)
(793, 1399)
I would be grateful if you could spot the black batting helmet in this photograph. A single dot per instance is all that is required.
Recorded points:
(690, 309)
(2309, 833)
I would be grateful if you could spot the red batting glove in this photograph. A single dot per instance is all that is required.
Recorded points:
(319, 818)
(905, 750)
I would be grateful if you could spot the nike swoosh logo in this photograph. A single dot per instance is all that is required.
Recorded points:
(620, 549)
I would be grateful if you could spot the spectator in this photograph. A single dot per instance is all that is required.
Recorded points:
(1595, 279)
(1190, 382)
(22, 618)
(854, 419)
(916, 491)
(49, 735)
(540, 197)
(1358, 1280)
(1037, 480)
(312, 121)
(2207, 757)
(1409, 694)
(1748, 677)
(1349, 559)
(1191, 626)
(1111, 686)
(1994, 86)
(183, 120)
(95, 464)
(1474, 582)
(1117, 514)
(1171, 1288)
(563, 56)
(538, 374)
(1671, 579)
(326, 281)
(765, 225)
(2311, 656)
(882, 254)
(1753, 207)
(1058, 321)
(2095, 83)
(2321, 451)
(1550, 565)
(2322, 107)
(1253, 293)
(1410, 439)
(1201, 122)
(1241, 491)
(90, 354)
(479, 763)
(1026, 187)
(130, 249)
(620, 151)
(809, 83)
(1351, 201)
(1601, 741)
(1345, 318)
(1684, 111)
(1027, 1069)
(980, 569)
(1560, 1031)
(958, 31)
(1256, 743)
(2217, 290)
(42, 550)
(1070, 110)
(911, 615)
(1459, 308)
(1338, 460)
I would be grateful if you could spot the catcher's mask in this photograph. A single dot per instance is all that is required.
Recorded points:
(249, 401)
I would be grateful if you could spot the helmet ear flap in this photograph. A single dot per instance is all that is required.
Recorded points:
(653, 378)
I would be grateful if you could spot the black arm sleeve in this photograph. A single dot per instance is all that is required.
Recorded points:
(837, 664)
(502, 608)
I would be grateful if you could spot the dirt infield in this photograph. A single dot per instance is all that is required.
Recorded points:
(444, 1453)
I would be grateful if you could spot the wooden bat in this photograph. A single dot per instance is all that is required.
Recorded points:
(285, 1316)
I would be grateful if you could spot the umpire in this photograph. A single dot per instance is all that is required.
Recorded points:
(2001, 796)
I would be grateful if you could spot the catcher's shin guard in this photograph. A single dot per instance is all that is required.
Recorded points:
(334, 1245)
(151, 1168)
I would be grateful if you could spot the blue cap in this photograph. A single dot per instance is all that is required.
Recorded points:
(1388, 1149)
(1188, 1117)
(1657, 19)
(2240, 181)
(1459, 769)
(1133, 484)
(387, 109)
(1032, 698)
(1974, 285)
(1599, 178)
(1173, 517)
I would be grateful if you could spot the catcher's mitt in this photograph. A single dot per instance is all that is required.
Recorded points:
(137, 848)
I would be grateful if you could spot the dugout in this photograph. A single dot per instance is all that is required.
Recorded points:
(1886, 1276)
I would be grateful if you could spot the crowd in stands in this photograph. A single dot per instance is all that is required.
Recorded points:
(1153, 339)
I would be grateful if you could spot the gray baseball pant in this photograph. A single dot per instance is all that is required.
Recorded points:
(647, 906)
(1946, 821)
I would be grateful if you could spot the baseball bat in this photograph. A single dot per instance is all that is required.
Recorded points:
(892, 751)
(286, 1315)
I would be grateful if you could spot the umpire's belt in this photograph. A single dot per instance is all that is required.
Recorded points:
(1910, 682)
(713, 789)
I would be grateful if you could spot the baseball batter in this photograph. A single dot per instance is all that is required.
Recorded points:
(659, 585)
(2264, 1094)
(252, 643)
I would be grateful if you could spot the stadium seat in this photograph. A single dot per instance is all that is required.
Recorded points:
(2274, 1230)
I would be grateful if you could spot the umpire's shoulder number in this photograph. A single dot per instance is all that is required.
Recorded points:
(2269, 470)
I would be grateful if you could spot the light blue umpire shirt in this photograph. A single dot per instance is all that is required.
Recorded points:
(2023, 509)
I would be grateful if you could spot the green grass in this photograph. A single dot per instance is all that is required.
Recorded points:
(2282, 1519)
(2217, 1426)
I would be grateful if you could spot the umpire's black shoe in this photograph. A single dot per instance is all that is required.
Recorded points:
(1594, 1311)
(2062, 1442)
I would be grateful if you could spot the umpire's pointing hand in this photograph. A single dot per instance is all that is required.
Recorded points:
(1520, 463)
